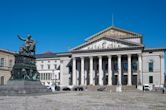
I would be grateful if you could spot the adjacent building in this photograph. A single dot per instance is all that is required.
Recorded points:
(110, 57)
(48, 65)
(7, 60)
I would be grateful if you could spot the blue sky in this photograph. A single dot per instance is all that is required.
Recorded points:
(59, 25)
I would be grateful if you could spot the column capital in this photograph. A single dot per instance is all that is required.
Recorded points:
(119, 55)
(109, 56)
(82, 57)
(73, 57)
(129, 55)
(140, 54)
(90, 56)
(99, 56)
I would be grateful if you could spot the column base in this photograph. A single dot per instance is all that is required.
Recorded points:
(140, 87)
(129, 84)
(119, 88)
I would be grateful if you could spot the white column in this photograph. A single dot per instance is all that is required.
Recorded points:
(100, 71)
(91, 71)
(109, 71)
(129, 70)
(119, 70)
(82, 71)
(162, 70)
(74, 78)
(140, 68)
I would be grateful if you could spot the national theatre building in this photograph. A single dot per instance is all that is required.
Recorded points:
(110, 57)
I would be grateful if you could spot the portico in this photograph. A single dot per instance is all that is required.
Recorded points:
(106, 69)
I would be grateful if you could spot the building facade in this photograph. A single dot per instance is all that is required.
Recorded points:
(110, 57)
(49, 68)
(7, 60)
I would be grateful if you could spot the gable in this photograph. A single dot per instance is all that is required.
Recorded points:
(105, 43)
(113, 32)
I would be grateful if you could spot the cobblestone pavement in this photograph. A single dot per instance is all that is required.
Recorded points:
(86, 101)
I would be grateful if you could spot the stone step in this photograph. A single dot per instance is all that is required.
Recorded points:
(112, 88)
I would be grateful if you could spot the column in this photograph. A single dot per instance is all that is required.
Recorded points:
(119, 70)
(91, 71)
(162, 70)
(100, 71)
(129, 71)
(140, 69)
(82, 71)
(109, 71)
(74, 78)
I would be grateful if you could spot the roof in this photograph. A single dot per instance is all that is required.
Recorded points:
(154, 49)
(114, 28)
(113, 49)
(52, 55)
(7, 51)
(107, 38)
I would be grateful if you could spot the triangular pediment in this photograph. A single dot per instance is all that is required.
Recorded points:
(113, 32)
(105, 43)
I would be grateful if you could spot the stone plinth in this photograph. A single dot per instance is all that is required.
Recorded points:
(16, 87)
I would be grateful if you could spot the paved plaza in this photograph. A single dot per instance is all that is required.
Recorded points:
(86, 101)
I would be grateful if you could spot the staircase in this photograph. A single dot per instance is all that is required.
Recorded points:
(112, 88)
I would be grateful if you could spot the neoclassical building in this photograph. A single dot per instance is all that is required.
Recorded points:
(48, 65)
(7, 60)
(110, 57)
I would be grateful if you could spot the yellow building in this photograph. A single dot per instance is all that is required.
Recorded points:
(7, 60)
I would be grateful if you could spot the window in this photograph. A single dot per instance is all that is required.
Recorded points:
(55, 66)
(106, 67)
(41, 76)
(150, 79)
(134, 66)
(125, 66)
(2, 62)
(42, 67)
(48, 66)
(10, 63)
(151, 66)
(49, 76)
(116, 67)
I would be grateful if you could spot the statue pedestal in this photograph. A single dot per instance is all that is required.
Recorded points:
(16, 87)
(24, 76)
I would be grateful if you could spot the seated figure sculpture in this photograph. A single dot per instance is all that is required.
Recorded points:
(29, 47)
